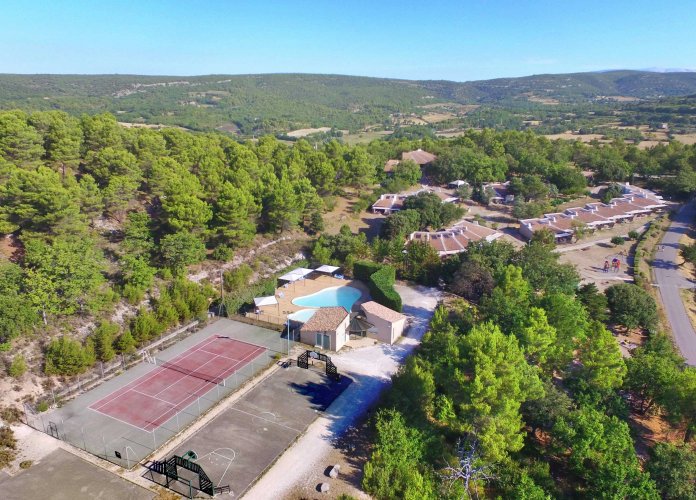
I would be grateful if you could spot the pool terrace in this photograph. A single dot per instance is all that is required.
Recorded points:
(315, 283)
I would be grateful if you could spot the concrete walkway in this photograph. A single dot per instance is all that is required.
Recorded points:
(670, 280)
(371, 369)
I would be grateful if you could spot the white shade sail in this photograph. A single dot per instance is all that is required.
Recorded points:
(327, 269)
(265, 301)
(296, 274)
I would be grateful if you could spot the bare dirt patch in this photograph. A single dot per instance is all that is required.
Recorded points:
(365, 137)
(342, 214)
(438, 117)
(572, 136)
(303, 132)
(685, 138)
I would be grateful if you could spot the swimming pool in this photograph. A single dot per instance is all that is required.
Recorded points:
(302, 315)
(328, 297)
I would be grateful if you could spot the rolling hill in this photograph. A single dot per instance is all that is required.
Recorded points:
(254, 104)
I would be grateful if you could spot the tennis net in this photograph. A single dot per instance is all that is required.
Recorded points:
(191, 373)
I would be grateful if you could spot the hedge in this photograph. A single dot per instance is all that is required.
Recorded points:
(362, 270)
(380, 280)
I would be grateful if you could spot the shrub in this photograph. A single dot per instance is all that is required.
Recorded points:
(618, 240)
(125, 343)
(25, 464)
(42, 406)
(237, 278)
(633, 234)
(66, 356)
(223, 253)
(10, 415)
(103, 338)
(18, 367)
(380, 280)
(145, 326)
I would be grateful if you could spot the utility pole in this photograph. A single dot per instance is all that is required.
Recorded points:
(222, 294)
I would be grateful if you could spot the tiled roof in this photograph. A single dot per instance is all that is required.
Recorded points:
(390, 164)
(456, 239)
(381, 311)
(325, 319)
(419, 156)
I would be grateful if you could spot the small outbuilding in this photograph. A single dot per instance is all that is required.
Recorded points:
(388, 325)
(327, 328)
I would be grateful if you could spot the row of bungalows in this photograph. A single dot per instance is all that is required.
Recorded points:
(500, 193)
(456, 239)
(390, 203)
(636, 203)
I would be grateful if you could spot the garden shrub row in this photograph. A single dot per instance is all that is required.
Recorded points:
(380, 280)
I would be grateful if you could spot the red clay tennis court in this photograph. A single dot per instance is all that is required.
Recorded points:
(154, 398)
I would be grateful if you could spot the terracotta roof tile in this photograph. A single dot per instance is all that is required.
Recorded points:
(325, 319)
(381, 311)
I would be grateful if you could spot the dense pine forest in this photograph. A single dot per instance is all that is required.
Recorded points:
(519, 389)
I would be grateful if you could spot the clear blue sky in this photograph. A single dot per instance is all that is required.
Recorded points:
(456, 40)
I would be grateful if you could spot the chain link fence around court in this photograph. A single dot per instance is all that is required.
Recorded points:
(125, 444)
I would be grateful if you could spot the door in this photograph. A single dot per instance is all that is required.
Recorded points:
(323, 341)
(327, 343)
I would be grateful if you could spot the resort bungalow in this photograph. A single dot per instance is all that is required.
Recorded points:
(422, 158)
(327, 328)
(389, 203)
(529, 226)
(500, 193)
(456, 239)
(388, 325)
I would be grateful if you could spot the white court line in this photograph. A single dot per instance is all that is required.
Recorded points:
(205, 383)
(143, 378)
(265, 419)
(234, 368)
(190, 375)
(122, 421)
(220, 355)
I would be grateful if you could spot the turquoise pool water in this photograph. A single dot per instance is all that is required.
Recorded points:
(302, 315)
(328, 297)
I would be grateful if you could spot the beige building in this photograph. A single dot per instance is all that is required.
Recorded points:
(327, 328)
(388, 324)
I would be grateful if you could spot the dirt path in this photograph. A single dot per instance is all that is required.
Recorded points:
(301, 468)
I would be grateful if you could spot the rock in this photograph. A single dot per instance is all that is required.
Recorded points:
(324, 487)
(333, 473)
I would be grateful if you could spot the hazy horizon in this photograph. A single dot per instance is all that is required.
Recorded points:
(445, 40)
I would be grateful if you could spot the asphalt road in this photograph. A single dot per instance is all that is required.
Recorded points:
(670, 280)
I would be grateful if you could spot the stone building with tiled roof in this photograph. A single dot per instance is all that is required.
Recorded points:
(327, 328)
(388, 325)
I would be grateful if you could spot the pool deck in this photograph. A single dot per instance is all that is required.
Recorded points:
(286, 294)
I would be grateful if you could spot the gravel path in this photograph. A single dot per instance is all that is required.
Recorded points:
(371, 369)
(670, 280)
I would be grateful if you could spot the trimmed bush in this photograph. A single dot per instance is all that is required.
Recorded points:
(380, 280)
(618, 240)
(362, 270)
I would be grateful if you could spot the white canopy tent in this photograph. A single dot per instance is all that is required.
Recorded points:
(269, 300)
(265, 301)
(296, 274)
(458, 183)
(327, 269)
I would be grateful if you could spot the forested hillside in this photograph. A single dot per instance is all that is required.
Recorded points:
(256, 104)
(92, 213)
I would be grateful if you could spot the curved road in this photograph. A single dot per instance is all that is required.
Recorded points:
(670, 280)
